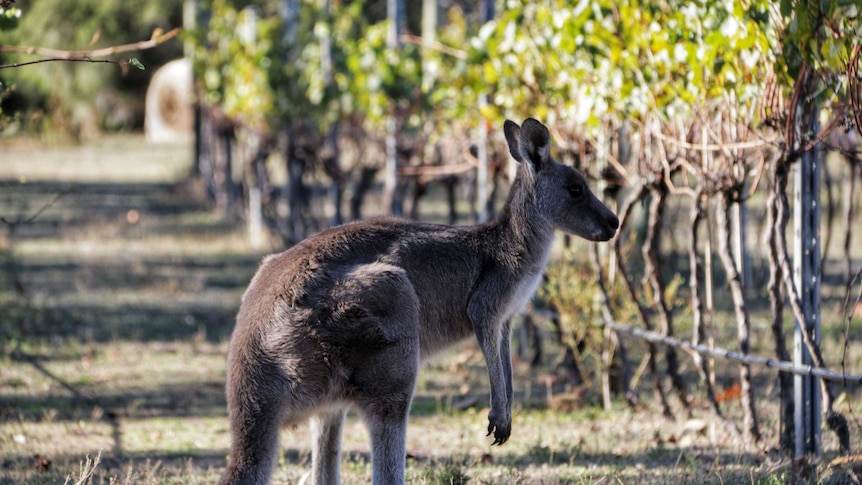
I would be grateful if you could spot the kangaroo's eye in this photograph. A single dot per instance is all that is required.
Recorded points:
(576, 191)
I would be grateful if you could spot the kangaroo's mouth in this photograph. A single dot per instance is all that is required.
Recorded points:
(607, 231)
(603, 235)
(596, 232)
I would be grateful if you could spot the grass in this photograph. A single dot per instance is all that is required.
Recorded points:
(114, 340)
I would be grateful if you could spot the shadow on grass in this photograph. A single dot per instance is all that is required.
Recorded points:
(182, 399)
(66, 278)
(87, 287)
(201, 466)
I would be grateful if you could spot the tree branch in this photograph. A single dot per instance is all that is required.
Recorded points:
(158, 37)
(55, 59)
(53, 55)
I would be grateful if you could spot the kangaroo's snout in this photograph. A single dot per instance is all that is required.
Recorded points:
(604, 232)
(601, 223)
(612, 223)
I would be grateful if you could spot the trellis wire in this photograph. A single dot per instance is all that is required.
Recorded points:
(805, 370)
(718, 352)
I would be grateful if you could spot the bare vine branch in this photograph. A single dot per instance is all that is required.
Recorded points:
(751, 427)
(158, 37)
(63, 59)
(608, 317)
(624, 214)
(776, 305)
(654, 278)
(437, 46)
(699, 326)
(854, 87)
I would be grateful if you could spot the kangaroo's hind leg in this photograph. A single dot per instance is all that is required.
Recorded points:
(256, 408)
(383, 393)
(385, 365)
(387, 425)
(326, 447)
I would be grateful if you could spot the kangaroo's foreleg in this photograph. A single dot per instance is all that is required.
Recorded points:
(495, 348)
(506, 359)
(326, 447)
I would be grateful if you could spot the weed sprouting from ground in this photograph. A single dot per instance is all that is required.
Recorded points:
(88, 468)
(444, 473)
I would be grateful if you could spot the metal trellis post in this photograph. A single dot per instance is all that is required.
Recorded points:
(395, 11)
(486, 9)
(806, 276)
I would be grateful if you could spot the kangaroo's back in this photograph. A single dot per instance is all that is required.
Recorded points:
(440, 262)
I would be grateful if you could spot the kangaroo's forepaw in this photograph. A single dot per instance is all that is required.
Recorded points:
(501, 428)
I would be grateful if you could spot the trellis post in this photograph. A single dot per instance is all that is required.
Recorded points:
(486, 12)
(806, 276)
(395, 11)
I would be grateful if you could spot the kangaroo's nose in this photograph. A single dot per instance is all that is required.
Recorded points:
(612, 223)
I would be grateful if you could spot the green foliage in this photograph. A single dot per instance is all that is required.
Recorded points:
(576, 63)
(364, 72)
(822, 35)
(286, 79)
(136, 64)
(352, 84)
(234, 59)
(571, 288)
(9, 16)
(580, 62)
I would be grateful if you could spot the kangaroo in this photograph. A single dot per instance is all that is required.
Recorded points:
(345, 317)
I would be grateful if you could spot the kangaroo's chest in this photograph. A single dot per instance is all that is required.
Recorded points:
(521, 295)
(526, 287)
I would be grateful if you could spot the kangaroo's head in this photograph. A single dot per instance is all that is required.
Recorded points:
(561, 193)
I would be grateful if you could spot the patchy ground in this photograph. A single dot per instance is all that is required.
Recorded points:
(116, 303)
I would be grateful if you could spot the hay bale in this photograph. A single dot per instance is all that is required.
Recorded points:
(169, 113)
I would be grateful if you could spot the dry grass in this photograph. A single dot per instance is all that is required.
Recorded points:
(157, 409)
(113, 349)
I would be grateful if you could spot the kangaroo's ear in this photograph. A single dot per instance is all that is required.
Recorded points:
(513, 139)
(535, 143)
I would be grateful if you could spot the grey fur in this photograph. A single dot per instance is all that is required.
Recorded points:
(345, 317)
